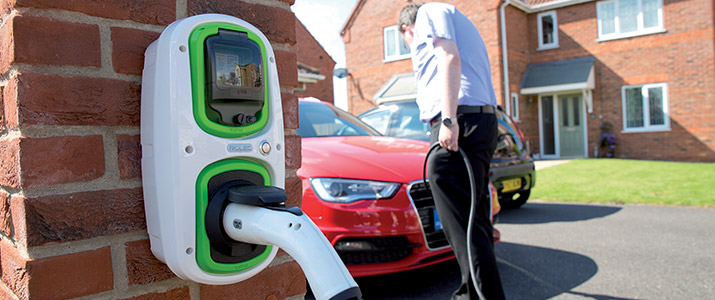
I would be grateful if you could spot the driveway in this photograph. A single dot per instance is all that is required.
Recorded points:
(584, 251)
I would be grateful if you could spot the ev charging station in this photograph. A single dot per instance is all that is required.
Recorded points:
(213, 160)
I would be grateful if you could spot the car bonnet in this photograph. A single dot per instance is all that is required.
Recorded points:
(363, 157)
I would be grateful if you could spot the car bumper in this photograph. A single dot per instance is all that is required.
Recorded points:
(501, 172)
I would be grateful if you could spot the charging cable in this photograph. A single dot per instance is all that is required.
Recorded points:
(472, 208)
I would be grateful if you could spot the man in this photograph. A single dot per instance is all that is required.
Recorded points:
(455, 95)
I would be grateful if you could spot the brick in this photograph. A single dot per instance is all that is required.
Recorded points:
(129, 148)
(287, 65)
(279, 282)
(294, 191)
(5, 216)
(2, 110)
(39, 40)
(292, 151)
(55, 100)
(57, 160)
(10, 163)
(290, 111)
(71, 275)
(181, 293)
(129, 46)
(14, 269)
(280, 28)
(158, 12)
(9, 99)
(58, 277)
(7, 46)
(142, 266)
(70, 217)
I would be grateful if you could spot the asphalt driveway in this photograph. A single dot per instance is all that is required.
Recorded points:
(584, 251)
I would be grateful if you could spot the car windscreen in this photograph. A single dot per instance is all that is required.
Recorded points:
(322, 120)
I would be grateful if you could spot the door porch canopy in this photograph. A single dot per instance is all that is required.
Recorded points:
(560, 76)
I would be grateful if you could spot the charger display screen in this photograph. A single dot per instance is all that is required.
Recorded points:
(238, 66)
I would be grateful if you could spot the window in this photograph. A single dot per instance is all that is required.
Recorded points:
(548, 30)
(514, 105)
(645, 108)
(395, 48)
(626, 18)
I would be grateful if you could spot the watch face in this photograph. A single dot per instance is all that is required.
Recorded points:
(447, 121)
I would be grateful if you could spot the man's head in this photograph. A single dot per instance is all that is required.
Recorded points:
(406, 21)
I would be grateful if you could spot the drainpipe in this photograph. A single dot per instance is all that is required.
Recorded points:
(505, 55)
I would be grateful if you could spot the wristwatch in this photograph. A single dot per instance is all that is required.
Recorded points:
(449, 122)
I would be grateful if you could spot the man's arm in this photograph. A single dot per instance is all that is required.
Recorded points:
(449, 77)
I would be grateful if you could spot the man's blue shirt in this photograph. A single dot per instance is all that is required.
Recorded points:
(439, 20)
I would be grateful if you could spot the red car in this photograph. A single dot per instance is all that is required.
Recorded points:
(365, 192)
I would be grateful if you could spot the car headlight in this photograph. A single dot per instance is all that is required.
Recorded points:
(351, 190)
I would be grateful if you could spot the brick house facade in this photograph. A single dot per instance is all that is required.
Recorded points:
(72, 218)
(315, 66)
(647, 68)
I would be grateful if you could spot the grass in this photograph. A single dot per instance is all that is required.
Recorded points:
(625, 181)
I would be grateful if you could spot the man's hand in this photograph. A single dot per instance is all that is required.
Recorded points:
(449, 137)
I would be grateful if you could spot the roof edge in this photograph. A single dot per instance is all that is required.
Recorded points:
(527, 8)
(351, 18)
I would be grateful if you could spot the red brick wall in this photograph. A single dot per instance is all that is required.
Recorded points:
(683, 56)
(311, 53)
(72, 218)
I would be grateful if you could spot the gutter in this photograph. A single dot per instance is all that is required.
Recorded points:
(505, 55)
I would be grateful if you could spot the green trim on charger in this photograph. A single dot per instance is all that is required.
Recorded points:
(198, 79)
(203, 251)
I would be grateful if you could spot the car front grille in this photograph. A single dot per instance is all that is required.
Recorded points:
(421, 198)
(380, 250)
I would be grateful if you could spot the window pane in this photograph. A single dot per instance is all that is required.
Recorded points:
(378, 120)
(650, 13)
(389, 42)
(628, 15)
(547, 30)
(607, 13)
(655, 103)
(515, 106)
(564, 112)
(634, 108)
(547, 113)
(404, 49)
(576, 114)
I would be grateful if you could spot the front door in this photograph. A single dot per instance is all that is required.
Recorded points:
(571, 125)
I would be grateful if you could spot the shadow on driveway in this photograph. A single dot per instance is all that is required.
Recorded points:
(539, 213)
(527, 272)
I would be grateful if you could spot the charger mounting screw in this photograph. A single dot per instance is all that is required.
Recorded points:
(237, 224)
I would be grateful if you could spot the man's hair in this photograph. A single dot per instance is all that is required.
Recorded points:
(408, 15)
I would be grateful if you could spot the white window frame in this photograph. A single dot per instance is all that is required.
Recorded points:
(640, 31)
(514, 106)
(540, 30)
(397, 40)
(647, 127)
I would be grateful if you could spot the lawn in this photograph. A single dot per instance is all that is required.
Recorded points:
(627, 181)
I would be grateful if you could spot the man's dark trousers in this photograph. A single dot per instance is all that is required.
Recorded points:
(449, 182)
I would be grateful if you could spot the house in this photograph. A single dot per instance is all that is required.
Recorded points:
(315, 66)
(566, 70)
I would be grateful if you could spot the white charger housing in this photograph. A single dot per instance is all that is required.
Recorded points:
(183, 149)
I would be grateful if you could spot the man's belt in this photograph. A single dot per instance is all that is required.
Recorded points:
(465, 110)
